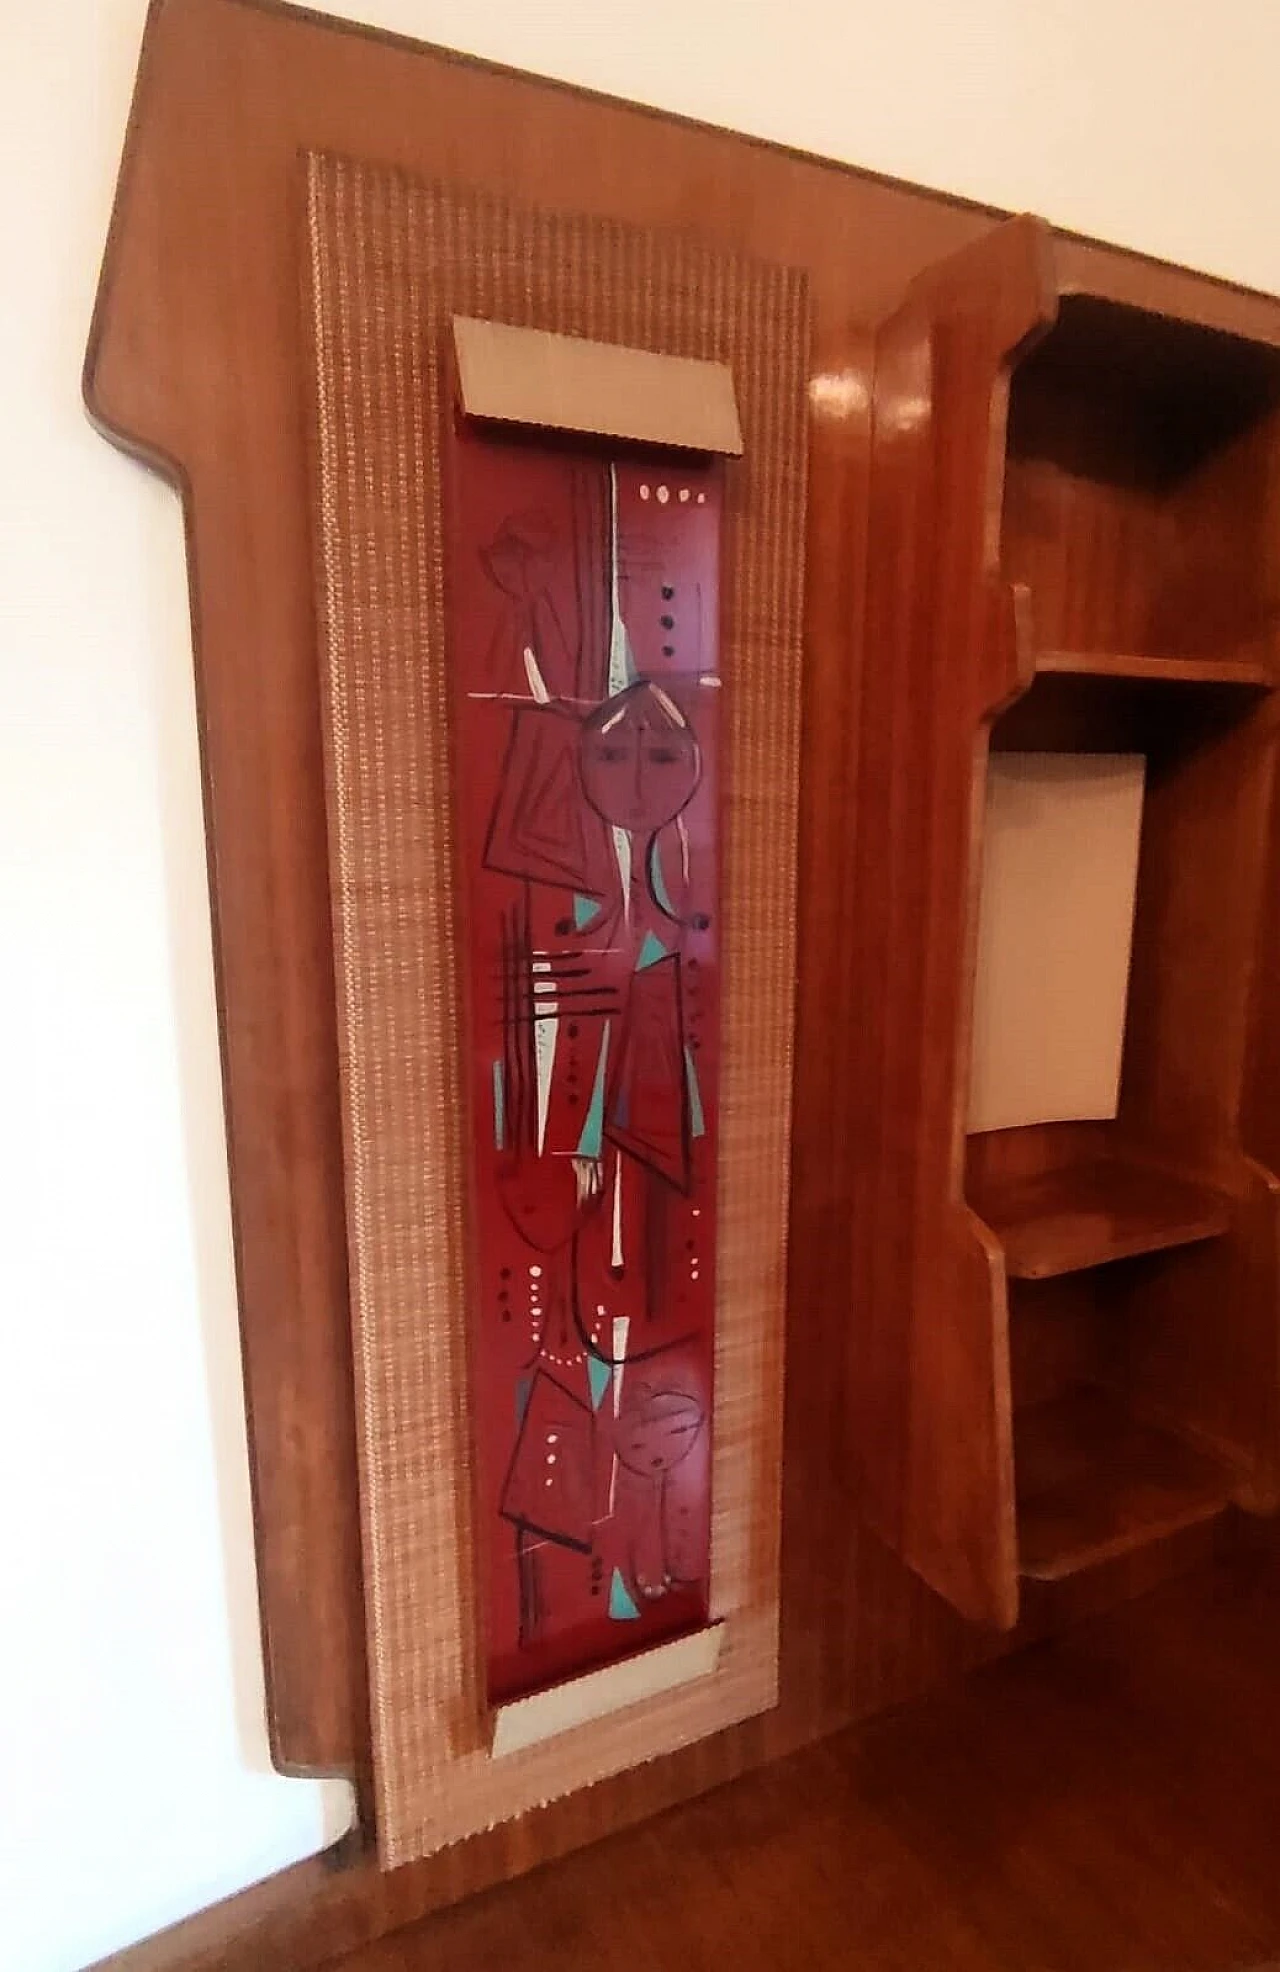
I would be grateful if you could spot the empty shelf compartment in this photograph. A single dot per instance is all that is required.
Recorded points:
(1083, 1215)
(1093, 1482)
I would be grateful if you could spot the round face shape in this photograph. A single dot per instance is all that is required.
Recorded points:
(656, 1430)
(639, 758)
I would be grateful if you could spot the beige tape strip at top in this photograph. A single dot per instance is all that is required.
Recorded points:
(568, 383)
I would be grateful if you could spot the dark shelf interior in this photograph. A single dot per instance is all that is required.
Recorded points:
(1094, 1482)
(1103, 702)
(1138, 496)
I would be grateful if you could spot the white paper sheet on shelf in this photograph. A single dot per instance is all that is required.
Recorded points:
(1055, 934)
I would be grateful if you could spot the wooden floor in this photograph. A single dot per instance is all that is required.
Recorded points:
(1106, 1803)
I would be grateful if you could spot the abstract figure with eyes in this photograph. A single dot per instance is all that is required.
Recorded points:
(640, 760)
(654, 1434)
(637, 767)
(595, 865)
(641, 766)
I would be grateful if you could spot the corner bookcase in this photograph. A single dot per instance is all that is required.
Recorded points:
(1068, 1339)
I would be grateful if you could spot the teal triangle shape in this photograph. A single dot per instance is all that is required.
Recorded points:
(651, 952)
(621, 1607)
(599, 1375)
(591, 1142)
(697, 1116)
(584, 909)
(658, 881)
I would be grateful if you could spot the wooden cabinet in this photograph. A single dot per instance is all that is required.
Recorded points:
(1067, 1342)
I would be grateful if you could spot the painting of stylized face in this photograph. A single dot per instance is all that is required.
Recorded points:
(656, 1430)
(640, 760)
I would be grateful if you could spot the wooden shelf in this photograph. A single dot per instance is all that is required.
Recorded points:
(1136, 560)
(1154, 670)
(1083, 1215)
(1093, 1483)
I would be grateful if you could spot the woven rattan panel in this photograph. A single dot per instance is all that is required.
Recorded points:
(389, 262)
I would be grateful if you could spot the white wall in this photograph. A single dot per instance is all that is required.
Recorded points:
(135, 1779)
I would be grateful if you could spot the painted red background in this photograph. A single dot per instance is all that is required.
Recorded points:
(583, 652)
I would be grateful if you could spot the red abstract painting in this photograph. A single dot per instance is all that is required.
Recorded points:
(583, 650)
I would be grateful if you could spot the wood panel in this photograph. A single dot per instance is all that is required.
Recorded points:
(1100, 460)
(1027, 1820)
(1086, 1214)
(393, 260)
(1094, 1481)
(1202, 868)
(196, 364)
(930, 1373)
(1202, 1334)
(1064, 1333)
(1140, 485)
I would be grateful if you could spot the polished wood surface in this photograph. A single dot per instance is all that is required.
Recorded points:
(1058, 496)
(1095, 1482)
(1155, 670)
(1136, 445)
(932, 1413)
(1093, 704)
(1085, 1214)
(1202, 1326)
(196, 363)
(1109, 1800)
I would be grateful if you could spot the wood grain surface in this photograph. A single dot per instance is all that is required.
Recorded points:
(436, 1375)
(1092, 1805)
(196, 364)
(1083, 1215)
(1108, 1800)
(1050, 466)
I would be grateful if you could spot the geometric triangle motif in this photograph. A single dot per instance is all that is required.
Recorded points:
(542, 828)
(648, 1113)
(549, 821)
(622, 1606)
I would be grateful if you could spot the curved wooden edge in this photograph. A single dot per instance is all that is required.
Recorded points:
(293, 1332)
(123, 422)
(993, 1591)
(1006, 279)
(952, 642)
